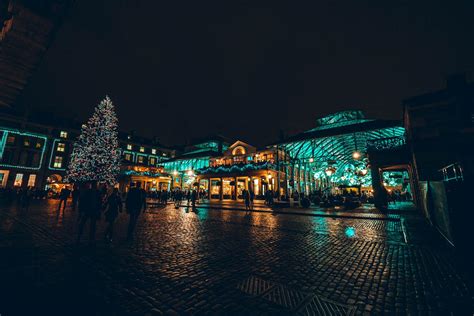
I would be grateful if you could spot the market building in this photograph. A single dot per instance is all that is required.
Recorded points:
(243, 167)
(333, 157)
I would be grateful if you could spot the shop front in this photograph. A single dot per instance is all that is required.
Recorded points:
(231, 186)
(150, 179)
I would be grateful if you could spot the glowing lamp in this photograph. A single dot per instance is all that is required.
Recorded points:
(356, 155)
(311, 159)
(175, 173)
(190, 173)
(328, 172)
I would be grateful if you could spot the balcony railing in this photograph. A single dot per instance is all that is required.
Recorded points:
(385, 143)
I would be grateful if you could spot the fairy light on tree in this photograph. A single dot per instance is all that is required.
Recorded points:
(96, 154)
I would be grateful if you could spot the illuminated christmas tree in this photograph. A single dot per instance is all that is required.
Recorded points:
(96, 155)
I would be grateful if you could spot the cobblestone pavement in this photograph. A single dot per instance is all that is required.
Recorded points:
(226, 262)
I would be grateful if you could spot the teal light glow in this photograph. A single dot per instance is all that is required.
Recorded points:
(16, 132)
(238, 168)
(350, 232)
(3, 141)
(183, 165)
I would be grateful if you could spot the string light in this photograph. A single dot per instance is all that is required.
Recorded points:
(96, 154)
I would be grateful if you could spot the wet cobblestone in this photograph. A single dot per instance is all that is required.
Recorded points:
(192, 263)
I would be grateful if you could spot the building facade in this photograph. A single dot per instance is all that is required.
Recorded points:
(37, 155)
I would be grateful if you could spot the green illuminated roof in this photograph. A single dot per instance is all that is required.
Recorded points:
(336, 138)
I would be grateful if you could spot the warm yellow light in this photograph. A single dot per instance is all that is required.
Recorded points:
(363, 172)
(356, 155)
(311, 159)
(329, 172)
(175, 173)
(190, 173)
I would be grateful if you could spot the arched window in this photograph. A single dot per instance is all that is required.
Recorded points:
(239, 150)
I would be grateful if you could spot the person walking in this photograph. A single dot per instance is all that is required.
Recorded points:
(134, 204)
(63, 196)
(194, 197)
(75, 197)
(89, 207)
(246, 196)
(114, 207)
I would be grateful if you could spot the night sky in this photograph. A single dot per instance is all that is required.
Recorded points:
(247, 69)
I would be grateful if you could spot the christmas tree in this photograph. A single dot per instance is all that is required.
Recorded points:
(96, 155)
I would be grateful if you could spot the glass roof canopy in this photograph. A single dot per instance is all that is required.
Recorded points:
(335, 140)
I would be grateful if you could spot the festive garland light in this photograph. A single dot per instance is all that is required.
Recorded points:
(96, 154)
(238, 168)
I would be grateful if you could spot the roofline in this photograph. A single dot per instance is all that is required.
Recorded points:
(365, 126)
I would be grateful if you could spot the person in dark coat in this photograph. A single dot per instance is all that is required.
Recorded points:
(114, 207)
(89, 207)
(194, 197)
(134, 203)
(75, 197)
(63, 196)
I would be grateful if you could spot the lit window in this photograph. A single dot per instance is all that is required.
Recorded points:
(129, 147)
(140, 159)
(142, 149)
(39, 144)
(18, 180)
(153, 151)
(164, 154)
(61, 147)
(10, 139)
(32, 180)
(152, 160)
(58, 162)
(63, 134)
(128, 157)
(26, 142)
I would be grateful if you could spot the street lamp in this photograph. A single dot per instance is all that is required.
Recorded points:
(356, 155)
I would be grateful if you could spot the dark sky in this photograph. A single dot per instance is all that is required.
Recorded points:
(247, 69)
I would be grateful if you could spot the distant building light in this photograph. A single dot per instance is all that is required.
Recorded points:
(142, 149)
(153, 151)
(129, 147)
(63, 134)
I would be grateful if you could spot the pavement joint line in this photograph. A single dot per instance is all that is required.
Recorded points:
(402, 224)
(300, 213)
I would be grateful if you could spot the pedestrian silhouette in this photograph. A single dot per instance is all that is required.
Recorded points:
(134, 203)
(89, 206)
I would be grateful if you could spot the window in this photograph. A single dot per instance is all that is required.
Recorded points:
(128, 157)
(164, 154)
(61, 147)
(239, 150)
(63, 134)
(58, 162)
(152, 160)
(26, 142)
(140, 159)
(142, 149)
(32, 180)
(39, 144)
(10, 139)
(153, 151)
(18, 180)
(129, 147)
